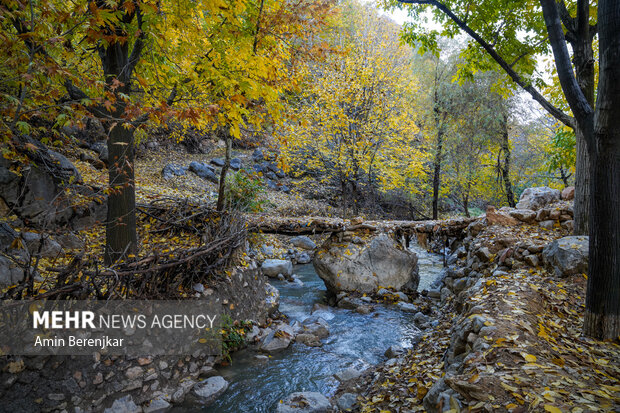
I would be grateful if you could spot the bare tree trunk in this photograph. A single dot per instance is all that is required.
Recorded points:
(121, 236)
(437, 171)
(221, 196)
(602, 315)
(505, 168)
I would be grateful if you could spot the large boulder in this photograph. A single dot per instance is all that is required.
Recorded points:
(381, 262)
(536, 198)
(204, 171)
(304, 402)
(303, 242)
(568, 255)
(206, 391)
(271, 268)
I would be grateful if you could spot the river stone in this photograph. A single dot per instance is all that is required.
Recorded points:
(568, 193)
(272, 343)
(536, 198)
(235, 164)
(394, 351)
(304, 402)
(124, 405)
(206, 391)
(271, 268)
(407, 307)
(308, 339)
(346, 401)
(567, 256)
(345, 266)
(272, 298)
(317, 326)
(157, 405)
(303, 258)
(303, 242)
(347, 374)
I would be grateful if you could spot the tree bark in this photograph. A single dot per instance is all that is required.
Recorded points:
(121, 236)
(581, 205)
(437, 171)
(602, 315)
(221, 196)
(505, 168)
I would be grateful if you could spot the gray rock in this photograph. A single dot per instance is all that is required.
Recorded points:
(257, 155)
(567, 256)
(363, 309)
(267, 250)
(157, 405)
(363, 268)
(272, 268)
(347, 374)
(69, 241)
(304, 258)
(407, 307)
(204, 171)
(317, 326)
(271, 184)
(285, 189)
(235, 164)
(394, 351)
(258, 168)
(524, 215)
(304, 402)
(7, 236)
(42, 245)
(346, 401)
(218, 162)
(531, 260)
(123, 405)
(273, 343)
(402, 296)
(303, 242)
(548, 224)
(420, 318)
(308, 339)
(171, 170)
(272, 298)
(536, 198)
(206, 391)
(484, 254)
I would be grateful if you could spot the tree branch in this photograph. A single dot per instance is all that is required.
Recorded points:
(554, 111)
(575, 97)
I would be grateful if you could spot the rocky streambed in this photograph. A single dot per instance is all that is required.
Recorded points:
(356, 341)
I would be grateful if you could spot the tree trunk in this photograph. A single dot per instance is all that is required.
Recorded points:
(121, 237)
(221, 196)
(602, 315)
(466, 204)
(505, 168)
(437, 172)
(582, 185)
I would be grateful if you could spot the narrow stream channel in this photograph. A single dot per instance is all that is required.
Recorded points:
(355, 340)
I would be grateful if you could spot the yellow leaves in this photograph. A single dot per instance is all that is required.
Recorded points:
(552, 409)
(529, 357)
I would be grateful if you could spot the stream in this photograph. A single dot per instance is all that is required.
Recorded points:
(355, 340)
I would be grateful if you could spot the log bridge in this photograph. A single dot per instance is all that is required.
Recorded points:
(424, 231)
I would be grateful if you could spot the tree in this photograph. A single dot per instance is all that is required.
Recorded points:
(209, 64)
(494, 31)
(353, 120)
(595, 126)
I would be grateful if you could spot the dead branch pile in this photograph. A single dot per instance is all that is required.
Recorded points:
(204, 245)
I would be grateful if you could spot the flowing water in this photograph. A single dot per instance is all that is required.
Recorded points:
(355, 340)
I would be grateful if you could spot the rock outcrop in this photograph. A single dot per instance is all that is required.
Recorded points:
(567, 256)
(538, 197)
(345, 265)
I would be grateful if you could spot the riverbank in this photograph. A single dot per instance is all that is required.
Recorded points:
(508, 336)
